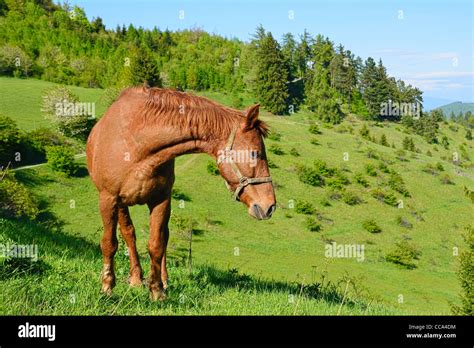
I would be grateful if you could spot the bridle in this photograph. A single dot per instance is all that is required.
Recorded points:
(243, 180)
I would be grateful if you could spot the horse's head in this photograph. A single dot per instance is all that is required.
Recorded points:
(243, 164)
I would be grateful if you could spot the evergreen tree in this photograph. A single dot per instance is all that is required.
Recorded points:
(272, 74)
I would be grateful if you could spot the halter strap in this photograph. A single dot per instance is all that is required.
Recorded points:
(243, 180)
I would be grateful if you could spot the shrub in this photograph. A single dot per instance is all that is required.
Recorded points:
(325, 202)
(294, 152)
(16, 200)
(446, 180)
(401, 155)
(383, 140)
(445, 142)
(312, 224)
(396, 183)
(314, 141)
(371, 226)
(408, 144)
(465, 274)
(271, 164)
(275, 149)
(322, 168)
(338, 180)
(371, 153)
(384, 168)
(403, 254)
(177, 194)
(61, 159)
(309, 176)
(351, 198)
(304, 207)
(10, 138)
(364, 132)
(314, 129)
(370, 169)
(404, 223)
(360, 179)
(334, 195)
(212, 168)
(69, 116)
(387, 198)
(274, 136)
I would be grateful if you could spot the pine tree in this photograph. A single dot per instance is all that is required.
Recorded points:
(272, 74)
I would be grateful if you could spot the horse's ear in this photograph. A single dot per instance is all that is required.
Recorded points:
(252, 117)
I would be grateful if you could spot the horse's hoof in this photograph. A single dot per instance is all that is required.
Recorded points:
(106, 290)
(135, 281)
(156, 295)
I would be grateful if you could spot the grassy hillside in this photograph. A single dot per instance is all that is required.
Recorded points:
(243, 266)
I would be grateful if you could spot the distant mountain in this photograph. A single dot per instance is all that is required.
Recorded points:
(457, 107)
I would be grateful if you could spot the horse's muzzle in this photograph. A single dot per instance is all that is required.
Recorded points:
(260, 213)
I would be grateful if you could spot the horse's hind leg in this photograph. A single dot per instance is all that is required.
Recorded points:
(128, 234)
(164, 271)
(109, 242)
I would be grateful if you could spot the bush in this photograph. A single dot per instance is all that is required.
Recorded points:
(403, 254)
(351, 198)
(371, 226)
(465, 273)
(294, 152)
(304, 207)
(61, 159)
(364, 132)
(275, 149)
(314, 129)
(370, 169)
(274, 136)
(322, 168)
(383, 140)
(312, 224)
(309, 176)
(446, 180)
(384, 168)
(396, 183)
(271, 164)
(314, 141)
(338, 180)
(212, 168)
(404, 223)
(388, 198)
(70, 117)
(10, 138)
(360, 179)
(16, 200)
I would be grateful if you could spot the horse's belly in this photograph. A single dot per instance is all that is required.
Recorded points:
(137, 190)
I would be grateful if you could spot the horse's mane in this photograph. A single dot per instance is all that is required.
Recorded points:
(186, 111)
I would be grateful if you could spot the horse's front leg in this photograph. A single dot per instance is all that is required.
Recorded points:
(159, 217)
(109, 242)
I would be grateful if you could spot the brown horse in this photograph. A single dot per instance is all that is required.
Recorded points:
(130, 158)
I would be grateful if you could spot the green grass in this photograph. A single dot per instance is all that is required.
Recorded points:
(275, 257)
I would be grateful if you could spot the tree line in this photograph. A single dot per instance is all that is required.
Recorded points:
(58, 43)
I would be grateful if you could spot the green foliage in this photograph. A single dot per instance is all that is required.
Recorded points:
(70, 117)
(445, 142)
(383, 140)
(309, 176)
(314, 141)
(408, 144)
(304, 207)
(10, 138)
(361, 180)
(386, 197)
(275, 149)
(351, 198)
(294, 152)
(314, 129)
(179, 195)
(468, 134)
(465, 273)
(371, 226)
(212, 168)
(370, 169)
(364, 132)
(16, 200)
(446, 180)
(274, 136)
(396, 183)
(271, 164)
(61, 159)
(312, 224)
(404, 254)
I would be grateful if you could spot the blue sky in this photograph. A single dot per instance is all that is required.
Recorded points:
(427, 43)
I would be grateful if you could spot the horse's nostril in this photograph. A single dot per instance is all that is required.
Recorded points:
(259, 214)
(271, 210)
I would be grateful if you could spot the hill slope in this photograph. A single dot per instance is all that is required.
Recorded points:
(248, 267)
(457, 107)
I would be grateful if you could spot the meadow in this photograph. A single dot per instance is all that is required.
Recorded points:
(244, 266)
